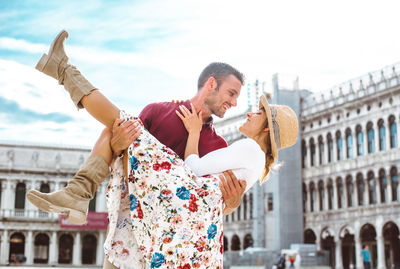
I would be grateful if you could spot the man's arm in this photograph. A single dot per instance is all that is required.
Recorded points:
(232, 191)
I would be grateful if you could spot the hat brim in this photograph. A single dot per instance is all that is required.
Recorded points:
(264, 104)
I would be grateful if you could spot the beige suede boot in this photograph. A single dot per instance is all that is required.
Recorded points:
(73, 200)
(56, 65)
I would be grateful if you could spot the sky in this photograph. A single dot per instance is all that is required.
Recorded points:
(139, 52)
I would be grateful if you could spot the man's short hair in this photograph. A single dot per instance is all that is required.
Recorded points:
(219, 71)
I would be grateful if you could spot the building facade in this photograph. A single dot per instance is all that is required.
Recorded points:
(350, 163)
(37, 235)
(348, 159)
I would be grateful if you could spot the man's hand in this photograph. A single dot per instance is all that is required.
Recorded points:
(124, 134)
(232, 191)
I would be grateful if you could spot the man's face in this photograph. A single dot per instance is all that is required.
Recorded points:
(219, 101)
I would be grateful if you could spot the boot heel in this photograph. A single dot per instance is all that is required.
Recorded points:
(42, 62)
(76, 217)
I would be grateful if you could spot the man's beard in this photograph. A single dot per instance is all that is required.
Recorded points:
(211, 103)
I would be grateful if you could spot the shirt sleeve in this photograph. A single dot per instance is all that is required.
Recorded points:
(240, 154)
(146, 115)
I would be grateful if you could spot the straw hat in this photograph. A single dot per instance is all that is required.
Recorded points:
(282, 123)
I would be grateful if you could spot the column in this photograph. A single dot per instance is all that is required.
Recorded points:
(389, 189)
(366, 192)
(344, 137)
(101, 199)
(29, 248)
(100, 249)
(377, 190)
(326, 147)
(338, 253)
(355, 200)
(381, 250)
(53, 249)
(77, 253)
(365, 141)
(326, 196)
(307, 204)
(359, 261)
(345, 194)
(307, 162)
(335, 153)
(387, 135)
(5, 247)
(9, 197)
(259, 226)
(376, 136)
(335, 195)
(30, 209)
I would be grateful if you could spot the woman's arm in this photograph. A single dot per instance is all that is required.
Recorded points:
(193, 123)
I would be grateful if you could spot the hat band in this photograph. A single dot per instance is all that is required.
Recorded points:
(276, 128)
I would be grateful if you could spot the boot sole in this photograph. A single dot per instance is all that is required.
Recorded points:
(45, 58)
(73, 216)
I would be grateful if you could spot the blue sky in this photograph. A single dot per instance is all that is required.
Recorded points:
(139, 52)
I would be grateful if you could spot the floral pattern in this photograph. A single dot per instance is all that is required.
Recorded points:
(163, 216)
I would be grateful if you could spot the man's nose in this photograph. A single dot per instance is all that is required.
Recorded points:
(234, 102)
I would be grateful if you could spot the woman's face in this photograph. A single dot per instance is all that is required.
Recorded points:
(254, 124)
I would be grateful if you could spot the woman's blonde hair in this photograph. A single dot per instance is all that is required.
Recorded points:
(269, 158)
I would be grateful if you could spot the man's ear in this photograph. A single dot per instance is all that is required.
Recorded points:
(211, 84)
(266, 129)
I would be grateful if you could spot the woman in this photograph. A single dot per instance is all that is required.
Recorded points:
(162, 213)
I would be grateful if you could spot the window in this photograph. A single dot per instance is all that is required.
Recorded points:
(340, 193)
(321, 150)
(312, 151)
(382, 135)
(371, 138)
(360, 141)
(20, 196)
(270, 201)
(360, 189)
(339, 147)
(393, 132)
(383, 182)
(349, 142)
(330, 148)
(395, 183)
(371, 188)
(350, 191)
(304, 153)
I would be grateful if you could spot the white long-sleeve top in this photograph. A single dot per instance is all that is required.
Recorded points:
(244, 157)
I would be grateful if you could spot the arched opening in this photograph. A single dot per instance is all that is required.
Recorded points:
(248, 241)
(371, 137)
(17, 245)
(92, 203)
(330, 194)
(330, 147)
(251, 205)
(383, 183)
(360, 140)
(360, 189)
(321, 194)
(226, 247)
(20, 191)
(339, 146)
(349, 191)
(349, 144)
(65, 248)
(44, 187)
(304, 197)
(382, 135)
(313, 196)
(321, 151)
(89, 245)
(340, 192)
(238, 212)
(309, 237)
(371, 187)
(393, 132)
(235, 243)
(328, 244)
(41, 248)
(303, 153)
(368, 237)
(245, 206)
(348, 250)
(312, 152)
(394, 181)
(392, 245)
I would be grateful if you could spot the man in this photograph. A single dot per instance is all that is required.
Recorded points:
(219, 87)
(366, 255)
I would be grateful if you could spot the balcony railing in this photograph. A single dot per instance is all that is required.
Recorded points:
(17, 213)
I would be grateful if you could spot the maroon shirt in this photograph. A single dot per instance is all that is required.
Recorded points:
(161, 121)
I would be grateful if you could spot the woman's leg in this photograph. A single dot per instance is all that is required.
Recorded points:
(73, 200)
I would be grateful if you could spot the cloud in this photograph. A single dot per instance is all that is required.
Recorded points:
(12, 112)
